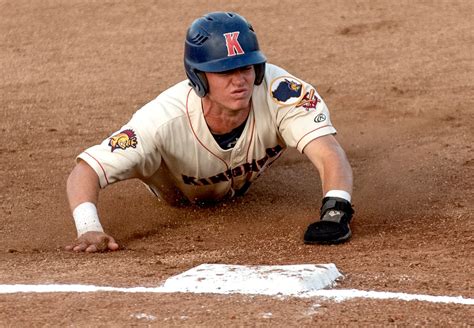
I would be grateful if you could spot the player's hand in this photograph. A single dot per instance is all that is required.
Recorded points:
(333, 227)
(93, 241)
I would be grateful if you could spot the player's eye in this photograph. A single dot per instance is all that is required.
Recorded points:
(242, 69)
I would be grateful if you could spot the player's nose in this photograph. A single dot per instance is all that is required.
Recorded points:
(238, 77)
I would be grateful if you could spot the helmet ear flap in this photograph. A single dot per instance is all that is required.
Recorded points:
(198, 82)
(203, 80)
(259, 73)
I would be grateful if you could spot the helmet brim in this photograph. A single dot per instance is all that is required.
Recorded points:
(230, 63)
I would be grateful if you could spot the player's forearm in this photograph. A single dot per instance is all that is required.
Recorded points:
(83, 194)
(82, 185)
(331, 162)
(337, 175)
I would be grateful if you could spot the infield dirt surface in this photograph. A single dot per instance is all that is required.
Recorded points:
(398, 79)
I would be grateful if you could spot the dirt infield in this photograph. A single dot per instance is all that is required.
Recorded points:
(398, 78)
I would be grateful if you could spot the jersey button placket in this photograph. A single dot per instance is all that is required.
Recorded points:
(237, 157)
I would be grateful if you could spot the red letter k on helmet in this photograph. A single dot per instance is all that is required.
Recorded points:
(233, 45)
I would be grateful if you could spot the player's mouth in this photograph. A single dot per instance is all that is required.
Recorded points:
(240, 93)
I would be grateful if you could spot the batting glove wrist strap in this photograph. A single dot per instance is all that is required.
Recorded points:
(333, 227)
(336, 204)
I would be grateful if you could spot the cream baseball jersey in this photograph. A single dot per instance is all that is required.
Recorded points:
(168, 145)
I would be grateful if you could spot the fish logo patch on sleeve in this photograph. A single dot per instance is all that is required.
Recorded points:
(123, 140)
(286, 90)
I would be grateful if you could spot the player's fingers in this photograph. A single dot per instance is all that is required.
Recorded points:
(113, 246)
(72, 246)
(80, 248)
(91, 249)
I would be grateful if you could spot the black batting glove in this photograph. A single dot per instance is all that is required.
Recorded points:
(333, 227)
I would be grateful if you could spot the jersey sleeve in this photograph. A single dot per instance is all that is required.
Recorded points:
(299, 112)
(130, 152)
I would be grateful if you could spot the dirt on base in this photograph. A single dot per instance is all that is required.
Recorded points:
(398, 80)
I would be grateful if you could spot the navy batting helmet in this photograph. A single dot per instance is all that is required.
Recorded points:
(219, 42)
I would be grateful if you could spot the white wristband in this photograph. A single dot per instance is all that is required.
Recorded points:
(340, 194)
(86, 218)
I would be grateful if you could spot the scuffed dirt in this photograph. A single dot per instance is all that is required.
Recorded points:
(397, 78)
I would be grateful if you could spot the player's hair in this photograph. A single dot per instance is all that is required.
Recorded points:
(208, 48)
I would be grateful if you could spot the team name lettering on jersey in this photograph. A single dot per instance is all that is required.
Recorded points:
(254, 166)
(233, 46)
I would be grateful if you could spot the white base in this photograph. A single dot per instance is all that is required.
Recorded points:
(285, 280)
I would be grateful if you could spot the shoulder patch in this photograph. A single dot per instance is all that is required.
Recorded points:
(286, 90)
(123, 140)
(309, 101)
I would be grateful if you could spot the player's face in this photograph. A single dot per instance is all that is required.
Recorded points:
(231, 89)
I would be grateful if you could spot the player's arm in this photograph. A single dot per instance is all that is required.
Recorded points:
(336, 177)
(83, 194)
(332, 164)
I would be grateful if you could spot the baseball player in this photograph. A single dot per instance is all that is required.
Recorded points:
(209, 137)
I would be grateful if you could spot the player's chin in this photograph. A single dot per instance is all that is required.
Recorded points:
(239, 105)
(239, 102)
